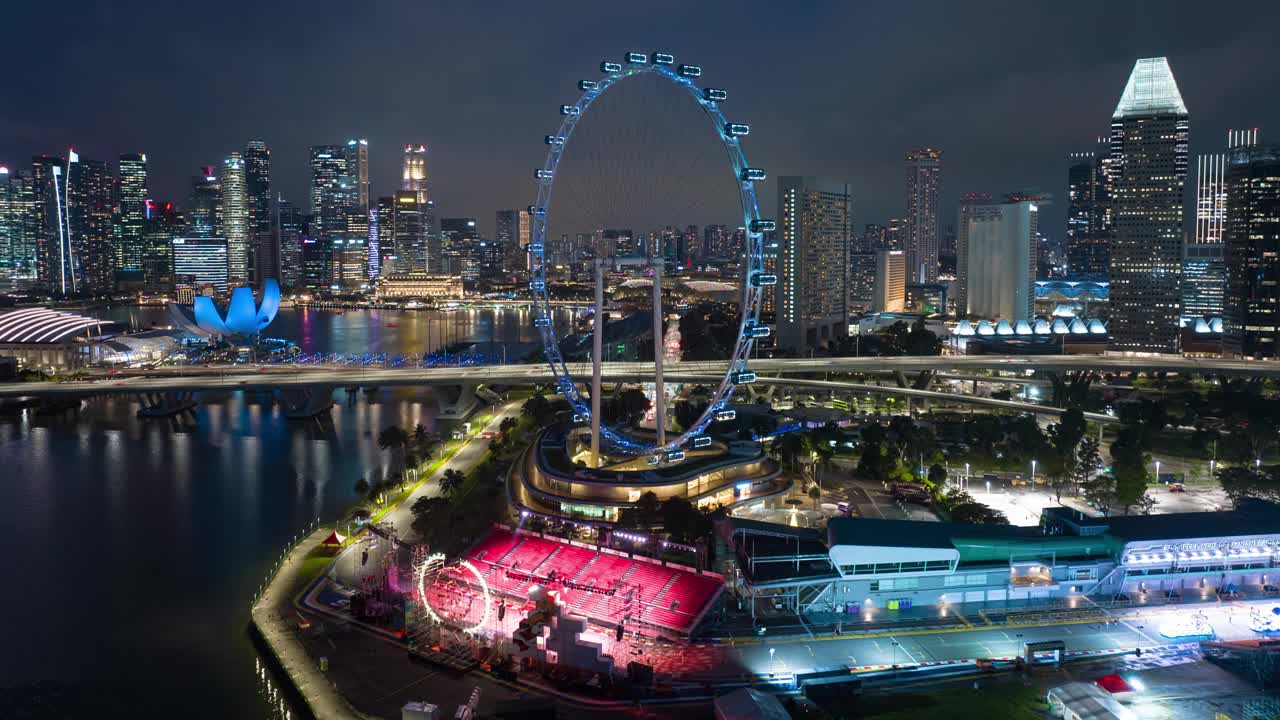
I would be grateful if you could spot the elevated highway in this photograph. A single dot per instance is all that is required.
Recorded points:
(270, 377)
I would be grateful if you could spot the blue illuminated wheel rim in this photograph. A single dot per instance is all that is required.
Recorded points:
(745, 177)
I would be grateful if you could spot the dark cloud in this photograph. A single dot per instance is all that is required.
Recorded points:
(840, 89)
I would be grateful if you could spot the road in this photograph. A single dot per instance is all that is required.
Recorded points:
(249, 377)
(1137, 629)
(349, 567)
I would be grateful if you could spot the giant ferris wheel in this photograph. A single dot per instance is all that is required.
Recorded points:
(755, 277)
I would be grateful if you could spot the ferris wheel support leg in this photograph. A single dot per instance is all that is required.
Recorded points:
(597, 350)
(659, 395)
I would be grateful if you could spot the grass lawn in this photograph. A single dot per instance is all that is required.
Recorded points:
(315, 563)
(991, 702)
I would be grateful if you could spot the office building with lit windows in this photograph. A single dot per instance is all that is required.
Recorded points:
(131, 212)
(264, 249)
(204, 259)
(1251, 304)
(889, 292)
(1088, 219)
(1150, 131)
(233, 219)
(813, 229)
(924, 180)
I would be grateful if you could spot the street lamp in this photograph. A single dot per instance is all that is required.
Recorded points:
(1157, 471)
(966, 476)
(988, 487)
(1033, 473)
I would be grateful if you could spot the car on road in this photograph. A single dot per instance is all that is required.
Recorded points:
(1177, 487)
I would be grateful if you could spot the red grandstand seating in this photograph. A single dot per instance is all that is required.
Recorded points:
(494, 546)
(643, 591)
(691, 591)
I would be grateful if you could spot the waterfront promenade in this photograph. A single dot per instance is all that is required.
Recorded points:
(276, 620)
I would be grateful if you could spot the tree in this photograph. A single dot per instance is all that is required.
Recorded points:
(420, 435)
(451, 481)
(876, 461)
(362, 487)
(790, 447)
(631, 405)
(964, 509)
(1129, 463)
(683, 521)
(696, 340)
(1244, 481)
(1064, 437)
(394, 438)
(538, 408)
(815, 494)
(433, 520)
(506, 426)
(937, 476)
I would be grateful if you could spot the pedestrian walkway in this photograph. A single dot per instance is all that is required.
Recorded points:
(276, 620)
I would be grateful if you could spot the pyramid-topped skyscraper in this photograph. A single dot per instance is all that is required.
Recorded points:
(1150, 132)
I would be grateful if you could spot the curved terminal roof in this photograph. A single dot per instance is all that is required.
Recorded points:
(44, 325)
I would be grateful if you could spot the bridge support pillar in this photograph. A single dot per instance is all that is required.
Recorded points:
(165, 404)
(455, 402)
(301, 403)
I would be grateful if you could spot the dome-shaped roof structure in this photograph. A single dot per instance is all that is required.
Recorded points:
(243, 318)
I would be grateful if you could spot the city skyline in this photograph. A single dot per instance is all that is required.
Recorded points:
(999, 127)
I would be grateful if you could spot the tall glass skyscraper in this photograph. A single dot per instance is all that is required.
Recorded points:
(1251, 306)
(89, 220)
(201, 260)
(358, 171)
(924, 178)
(233, 219)
(131, 212)
(1150, 131)
(202, 204)
(290, 229)
(264, 254)
(1088, 222)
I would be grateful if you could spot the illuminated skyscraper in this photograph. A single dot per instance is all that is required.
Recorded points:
(408, 248)
(890, 288)
(203, 260)
(813, 268)
(459, 243)
(1088, 221)
(89, 222)
(264, 253)
(358, 171)
(163, 224)
(1000, 246)
(967, 203)
(48, 181)
(414, 171)
(19, 230)
(290, 229)
(331, 196)
(131, 212)
(1251, 306)
(233, 219)
(924, 178)
(203, 202)
(1150, 132)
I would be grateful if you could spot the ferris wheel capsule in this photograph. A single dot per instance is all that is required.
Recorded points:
(541, 174)
(691, 71)
(714, 94)
(753, 174)
(585, 85)
(569, 110)
(659, 58)
(636, 58)
(554, 139)
(759, 226)
(610, 67)
(736, 129)
(537, 211)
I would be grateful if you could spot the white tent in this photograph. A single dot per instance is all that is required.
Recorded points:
(1085, 701)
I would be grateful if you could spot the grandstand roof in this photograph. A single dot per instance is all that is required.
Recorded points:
(737, 524)
(1252, 518)
(44, 325)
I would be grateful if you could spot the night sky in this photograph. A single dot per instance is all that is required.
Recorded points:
(837, 89)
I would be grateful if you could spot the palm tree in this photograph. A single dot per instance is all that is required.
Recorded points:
(420, 435)
(394, 438)
(816, 494)
(790, 447)
(362, 487)
(451, 481)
